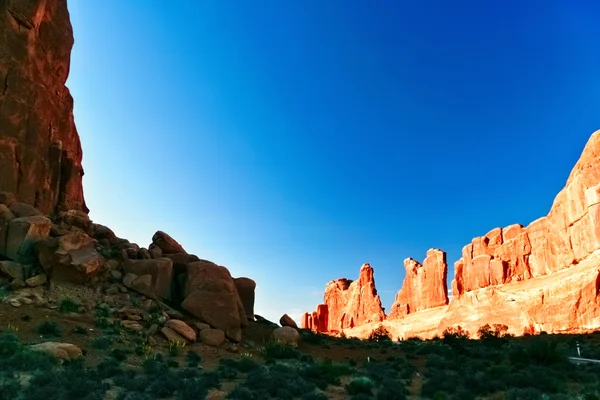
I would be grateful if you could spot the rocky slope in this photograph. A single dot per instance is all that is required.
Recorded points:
(543, 277)
(40, 151)
(46, 236)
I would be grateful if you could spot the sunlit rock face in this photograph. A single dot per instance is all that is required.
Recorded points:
(424, 285)
(347, 304)
(567, 235)
(40, 151)
(542, 277)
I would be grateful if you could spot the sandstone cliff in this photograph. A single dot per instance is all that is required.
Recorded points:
(40, 151)
(543, 277)
(424, 286)
(348, 304)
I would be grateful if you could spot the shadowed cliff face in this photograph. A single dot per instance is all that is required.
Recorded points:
(40, 150)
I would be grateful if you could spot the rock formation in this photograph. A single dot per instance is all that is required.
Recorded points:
(40, 151)
(424, 285)
(348, 304)
(543, 277)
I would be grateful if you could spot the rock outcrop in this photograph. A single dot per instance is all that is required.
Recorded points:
(424, 285)
(40, 150)
(543, 277)
(568, 234)
(347, 304)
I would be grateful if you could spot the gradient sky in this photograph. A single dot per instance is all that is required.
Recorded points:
(294, 141)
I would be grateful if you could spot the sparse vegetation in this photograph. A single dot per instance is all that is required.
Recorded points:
(68, 305)
(49, 329)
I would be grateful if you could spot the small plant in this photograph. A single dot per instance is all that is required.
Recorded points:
(143, 350)
(68, 305)
(49, 329)
(278, 350)
(119, 354)
(103, 310)
(80, 330)
(361, 385)
(175, 348)
(380, 334)
(192, 359)
(12, 328)
(101, 342)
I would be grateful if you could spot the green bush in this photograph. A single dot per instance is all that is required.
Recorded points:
(49, 329)
(279, 351)
(361, 385)
(68, 305)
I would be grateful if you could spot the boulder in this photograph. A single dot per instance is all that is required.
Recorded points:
(286, 335)
(23, 234)
(172, 336)
(63, 351)
(70, 258)
(37, 280)
(166, 243)
(286, 320)
(102, 232)
(76, 218)
(160, 270)
(182, 328)
(14, 270)
(212, 337)
(246, 288)
(210, 295)
(21, 210)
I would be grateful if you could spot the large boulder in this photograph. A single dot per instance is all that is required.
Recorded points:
(167, 244)
(23, 234)
(286, 320)
(246, 288)
(63, 351)
(70, 258)
(210, 294)
(161, 271)
(286, 335)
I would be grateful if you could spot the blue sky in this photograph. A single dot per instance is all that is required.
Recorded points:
(294, 141)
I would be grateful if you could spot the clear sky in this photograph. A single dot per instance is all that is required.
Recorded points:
(294, 141)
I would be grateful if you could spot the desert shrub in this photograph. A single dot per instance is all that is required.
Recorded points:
(276, 381)
(392, 390)
(102, 342)
(310, 337)
(9, 390)
(380, 334)
(192, 359)
(278, 351)
(49, 329)
(175, 348)
(119, 354)
(108, 368)
(68, 305)
(80, 330)
(103, 310)
(523, 394)
(360, 385)
(325, 373)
